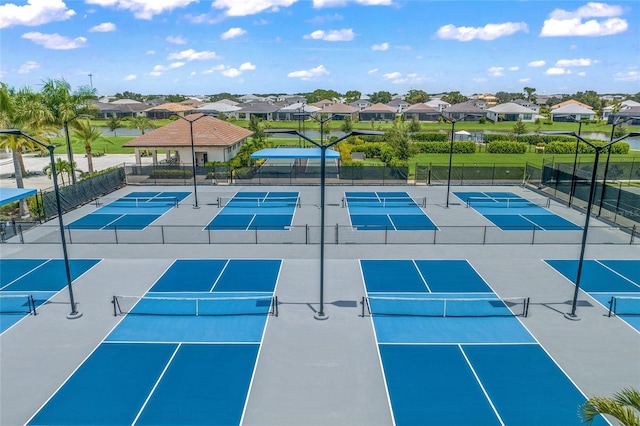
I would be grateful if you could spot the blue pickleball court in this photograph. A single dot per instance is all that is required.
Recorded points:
(256, 210)
(392, 211)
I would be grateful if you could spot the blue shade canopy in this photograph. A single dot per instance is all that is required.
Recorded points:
(295, 153)
(9, 195)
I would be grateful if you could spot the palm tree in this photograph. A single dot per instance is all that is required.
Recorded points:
(624, 406)
(22, 110)
(114, 123)
(65, 104)
(88, 134)
(62, 167)
(141, 123)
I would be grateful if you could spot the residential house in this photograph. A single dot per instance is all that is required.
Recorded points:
(422, 112)
(296, 111)
(570, 102)
(340, 111)
(166, 110)
(377, 112)
(438, 104)
(217, 108)
(323, 103)
(527, 104)
(464, 111)
(572, 112)
(511, 111)
(213, 140)
(630, 116)
(263, 110)
(110, 109)
(398, 104)
(621, 106)
(361, 104)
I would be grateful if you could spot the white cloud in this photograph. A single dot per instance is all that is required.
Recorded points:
(332, 35)
(557, 71)
(28, 66)
(130, 77)
(496, 71)
(582, 73)
(231, 72)
(319, 4)
(214, 69)
(627, 76)
(55, 41)
(582, 62)
(143, 9)
(34, 13)
(373, 71)
(151, 52)
(176, 40)
(105, 27)
(380, 47)
(537, 64)
(318, 71)
(562, 23)
(488, 32)
(232, 33)
(524, 80)
(244, 8)
(159, 69)
(192, 55)
(392, 75)
(247, 66)
(514, 68)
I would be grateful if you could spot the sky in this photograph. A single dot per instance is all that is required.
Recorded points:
(204, 47)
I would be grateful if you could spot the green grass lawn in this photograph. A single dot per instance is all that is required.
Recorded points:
(111, 145)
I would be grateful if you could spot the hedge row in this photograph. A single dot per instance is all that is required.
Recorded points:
(499, 147)
(444, 147)
(583, 148)
(530, 139)
(428, 137)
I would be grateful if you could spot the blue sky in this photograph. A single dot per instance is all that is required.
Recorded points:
(292, 46)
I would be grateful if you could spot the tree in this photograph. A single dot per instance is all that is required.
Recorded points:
(113, 123)
(174, 98)
(129, 95)
(87, 135)
(519, 128)
(62, 167)
(141, 123)
(414, 124)
(347, 124)
(63, 103)
(624, 406)
(416, 96)
(352, 96)
(380, 97)
(530, 97)
(398, 140)
(454, 98)
(320, 94)
(23, 110)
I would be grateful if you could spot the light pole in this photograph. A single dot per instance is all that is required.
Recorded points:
(69, 150)
(19, 133)
(617, 122)
(193, 154)
(323, 148)
(592, 191)
(453, 128)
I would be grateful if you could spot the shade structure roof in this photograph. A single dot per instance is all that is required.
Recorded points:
(9, 195)
(295, 153)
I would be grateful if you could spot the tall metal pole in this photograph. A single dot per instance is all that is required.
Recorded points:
(70, 151)
(193, 165)
(592, 191)
(606, 169)
(575, 166)
(453, 127)
(51, 148)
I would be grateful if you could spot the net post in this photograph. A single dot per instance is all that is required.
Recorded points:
(362, 303)
(32, 301)
(526, 307)
(177, 200)
(114, 302)
(344, 202)
(611, 307)
(274, 301)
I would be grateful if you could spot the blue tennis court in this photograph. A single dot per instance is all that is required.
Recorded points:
(445, 337)
(615, 284)
(256, 210)
(35, 281)
(393, 211)
(134, 211)
(511, 212)
(169, 363)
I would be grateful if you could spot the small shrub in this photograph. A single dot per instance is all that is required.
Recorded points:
(500, 147)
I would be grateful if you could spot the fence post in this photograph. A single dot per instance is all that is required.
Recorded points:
(162, 232)
(20, 234)
(337, 230)
(533, 235)
(633, 231)
(484, 236)
(386, 232)
(115, 232)
(306, 233)
(69, 232)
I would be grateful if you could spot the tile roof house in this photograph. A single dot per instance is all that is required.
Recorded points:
(398, 104)
(166, 110)
(570, 102)
(422, 111)
(606, 111)
(340, 111)
(213, 140)
(377, 112)
(361, 104)
(511, 111)
(528, 104)
(264, 110)
(216, 108)
(632, 114)
(296, 111)
(438, 104)
(109, 109)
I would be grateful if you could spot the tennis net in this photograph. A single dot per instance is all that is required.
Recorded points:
(507, 202)
(624, 305)
(17, 304)
(384, 202)
(138, 202)
(259, 202)
(194, 306)
(445, 307)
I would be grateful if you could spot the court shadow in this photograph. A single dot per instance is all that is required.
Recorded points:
(556, 306)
